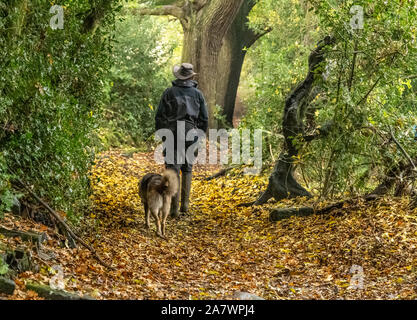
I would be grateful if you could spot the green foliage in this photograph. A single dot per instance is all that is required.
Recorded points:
(52, 92)
(370, 87)
(276, 63)
(6, 195)
(4, 268)
(140, 73)
(366, 94)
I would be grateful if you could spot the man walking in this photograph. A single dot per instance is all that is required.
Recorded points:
(183, 102)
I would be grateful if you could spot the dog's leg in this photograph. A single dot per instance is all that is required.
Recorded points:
(165, 213)
(164, 221)
(158, 223)
(147, 216)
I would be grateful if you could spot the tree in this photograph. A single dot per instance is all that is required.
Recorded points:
(215, 36)
(96, 14)
(238, 39)
(282, 183)
(365, 111)
(51, 97)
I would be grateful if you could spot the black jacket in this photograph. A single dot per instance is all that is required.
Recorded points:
(182, 102)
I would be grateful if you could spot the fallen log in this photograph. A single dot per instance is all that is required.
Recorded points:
(30, 236)
(285, 213)
(7, 286)
(220, 173)
(47, 292)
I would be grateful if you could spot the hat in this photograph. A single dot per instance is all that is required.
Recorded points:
(184, 72)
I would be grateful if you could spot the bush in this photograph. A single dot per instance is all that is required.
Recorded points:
(52, 93)
(362, 107)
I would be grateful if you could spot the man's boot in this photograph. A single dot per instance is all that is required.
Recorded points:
(174, 206)
(185, 191)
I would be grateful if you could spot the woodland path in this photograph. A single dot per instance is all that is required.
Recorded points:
(221, 249)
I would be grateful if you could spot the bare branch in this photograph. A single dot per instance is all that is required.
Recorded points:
(62, 222)
(402, 149)
(168, 10)
(253, 36)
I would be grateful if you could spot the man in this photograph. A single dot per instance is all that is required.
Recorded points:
(183, 102)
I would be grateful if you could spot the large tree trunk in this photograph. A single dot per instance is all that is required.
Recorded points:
(203, 41)
(215, 35)
(282, 183)
(239, 38)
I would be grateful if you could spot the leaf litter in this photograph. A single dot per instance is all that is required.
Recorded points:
(221, 249)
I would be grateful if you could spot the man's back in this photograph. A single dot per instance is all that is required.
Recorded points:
(182, 102)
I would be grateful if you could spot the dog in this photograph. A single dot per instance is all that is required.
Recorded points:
(156, 192)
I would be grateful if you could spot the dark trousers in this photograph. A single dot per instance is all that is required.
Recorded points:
(179, 162)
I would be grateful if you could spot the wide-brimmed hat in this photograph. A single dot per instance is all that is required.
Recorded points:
(184, 71)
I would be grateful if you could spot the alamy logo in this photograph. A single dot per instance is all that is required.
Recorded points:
(357, 21)
(356, 282)
(181, 146)
(57, 21)
(57, 281)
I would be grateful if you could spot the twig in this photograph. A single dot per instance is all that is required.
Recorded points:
(245, 204)
(64, 224)
(220, 173)
(352, 71)
(272, 154)
(369, 92)
(402, 149)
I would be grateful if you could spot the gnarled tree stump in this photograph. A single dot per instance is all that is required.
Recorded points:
(282, 183)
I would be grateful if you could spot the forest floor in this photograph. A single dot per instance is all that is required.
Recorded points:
(221, 249)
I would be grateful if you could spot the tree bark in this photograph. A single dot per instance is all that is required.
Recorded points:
(238, 39)
(212, 26)
(215, 35)
(282, 183)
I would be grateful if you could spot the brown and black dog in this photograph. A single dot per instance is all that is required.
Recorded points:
(156, 192)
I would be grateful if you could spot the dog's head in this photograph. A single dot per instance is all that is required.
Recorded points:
(165, 184)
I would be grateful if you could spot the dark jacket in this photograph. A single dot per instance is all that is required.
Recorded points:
(182, 102)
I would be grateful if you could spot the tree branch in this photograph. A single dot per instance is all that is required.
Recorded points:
(168, 10)
(96, 15)
(62, 222)
(402, 149)
(255, 36)
(199, 4)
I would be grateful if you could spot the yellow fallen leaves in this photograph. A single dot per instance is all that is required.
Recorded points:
(239, 247)
(221, 248)
(114, 180)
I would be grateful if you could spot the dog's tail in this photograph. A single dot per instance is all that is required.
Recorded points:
(170, 180)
